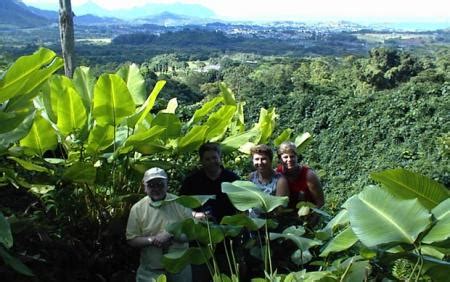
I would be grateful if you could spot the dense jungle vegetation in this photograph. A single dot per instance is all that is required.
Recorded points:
(67, 183)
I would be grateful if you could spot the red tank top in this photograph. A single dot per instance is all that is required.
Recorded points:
(298, 188)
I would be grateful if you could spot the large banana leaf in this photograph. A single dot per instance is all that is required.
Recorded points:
(143, 111)
(135, 82)
(294, 234)
(204, 110)
(302, 141)
(30, 166)
(10, 120)
(441, 230)
(197, 231)
(42, 137)
(71, 112)
(236, 142)
(143, 138)
(100, 138)
(6, 238)
(284, 136)
(246, 195)
(176, 260)
(80, 173)
(243, 220)
(22, 129)
(377, 217)
(410, 185)
(16, 264)
(28, 72)
(170, 123)
(218, 122)
(84, 82)
(112, 100)
(342, 241)
(192, 140)
(191, 202)
(265, 125)
(227, 94)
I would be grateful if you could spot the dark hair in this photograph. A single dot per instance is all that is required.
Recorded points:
(262, 149)
(208, 147)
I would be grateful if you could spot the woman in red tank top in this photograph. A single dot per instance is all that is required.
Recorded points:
(304, 184)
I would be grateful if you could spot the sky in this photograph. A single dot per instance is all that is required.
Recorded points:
(373, 10)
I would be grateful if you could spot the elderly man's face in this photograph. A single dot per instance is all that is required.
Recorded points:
(156, 188)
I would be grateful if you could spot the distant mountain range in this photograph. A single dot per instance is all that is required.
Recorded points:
(14, 13)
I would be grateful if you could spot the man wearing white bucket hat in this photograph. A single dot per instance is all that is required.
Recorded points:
(146, 228)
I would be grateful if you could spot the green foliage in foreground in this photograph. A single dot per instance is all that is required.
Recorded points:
(377, 228)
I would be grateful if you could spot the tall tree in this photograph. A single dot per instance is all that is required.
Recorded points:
(67, 35)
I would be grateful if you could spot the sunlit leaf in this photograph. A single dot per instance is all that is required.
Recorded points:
(143, 111)
(135, 82)
(302, 141)
(227, 94)
(170, 123)
(100, 138)
(342, 241)
(193, 139)
(42, 137)
(410, 185)
(29, 165)
(245, 195)
(112, 100)
(284, 136)
(205, 109)
(441, 230)
(377, 217)
(218, 122)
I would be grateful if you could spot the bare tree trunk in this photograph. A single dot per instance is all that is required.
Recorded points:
(67, 35)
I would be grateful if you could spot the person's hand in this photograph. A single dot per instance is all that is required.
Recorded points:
(163, 239)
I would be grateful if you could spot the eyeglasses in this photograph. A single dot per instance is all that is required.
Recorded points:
(156, 183)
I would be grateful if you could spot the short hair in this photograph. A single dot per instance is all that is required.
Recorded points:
(287, 147)
(262, 149)
(208, 147)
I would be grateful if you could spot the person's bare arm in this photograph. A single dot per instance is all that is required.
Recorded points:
(315, 188)
(282, 187)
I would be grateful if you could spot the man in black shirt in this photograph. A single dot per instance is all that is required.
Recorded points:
(207, 181)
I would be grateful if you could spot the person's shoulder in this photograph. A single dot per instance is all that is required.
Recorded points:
(142, 202)
(229, 174)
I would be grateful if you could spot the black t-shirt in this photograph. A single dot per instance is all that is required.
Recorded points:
(198, 183)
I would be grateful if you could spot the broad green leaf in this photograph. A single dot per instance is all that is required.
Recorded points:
(143, 111)
(302, 141)
(28, 72)
(265, 125)
(42, 137)
(243, 220)
(172, 105)
(176, 260)
(16, 264)
(197, 231)
(410, 185)
(170, 123)
(135, 82)
(205, 109)
(294, 233)
(218, 122)
(245, 195)
(192, 140)
(84, 82)
(323, 276)
(100, 138)
(439, 232)
(340, 219)
(41, 190)
(357, 270)
(12, 119)
(29, 165)
(432, 251)
(6, 238)
(377, 217)
(8, 138)
(71, 112)
(112, 100)
(161, 278)
(142, 139)
(232, 143)
(80, 173)
(342, 241)
(284, 136)
(300, 257)
(442, 210)
(227, 94)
